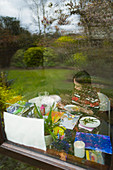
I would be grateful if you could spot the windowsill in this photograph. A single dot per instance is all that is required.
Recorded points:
(46, 160)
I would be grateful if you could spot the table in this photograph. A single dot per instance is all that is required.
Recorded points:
(50, 158)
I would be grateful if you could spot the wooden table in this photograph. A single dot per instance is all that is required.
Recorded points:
(45, 160)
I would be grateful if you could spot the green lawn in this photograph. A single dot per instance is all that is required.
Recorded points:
(30, 82)
(56, 81)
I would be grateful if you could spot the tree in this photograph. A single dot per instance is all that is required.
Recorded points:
(11, 24)
(94, 15)
(57, 14)
(38, 12)
(8, 46)
(12, 37)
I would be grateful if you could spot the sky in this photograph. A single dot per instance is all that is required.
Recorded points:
(20, 10)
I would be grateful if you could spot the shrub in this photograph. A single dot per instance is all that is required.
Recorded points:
(68, 40)
(4, 79)
(18, 59)
(33, 57)
(80, 59)
(64, 41)
(50, 57)
(5, 94)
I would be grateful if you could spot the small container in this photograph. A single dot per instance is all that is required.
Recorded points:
(79, 149)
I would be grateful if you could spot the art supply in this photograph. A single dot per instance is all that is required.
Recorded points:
(70, 121)
(96, 142)
(79, 149)
(94, 156)
(42, 109)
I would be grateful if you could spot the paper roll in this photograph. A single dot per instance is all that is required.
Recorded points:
(79, 149)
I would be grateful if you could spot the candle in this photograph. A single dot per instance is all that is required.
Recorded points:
(79, 149)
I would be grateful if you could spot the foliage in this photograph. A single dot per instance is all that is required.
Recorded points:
(67, 46)
(50, 57)
(70, 41)
(80, 59)
(14, 99)
(65, 39)
(12, 37)
(11, 24)
(18, 59)
(4, 79)
(34, 57)
(107, 43)
(8, 46)
(95, 16)
(27, 40)
(60, 145)
(5, 94)
(49, 125)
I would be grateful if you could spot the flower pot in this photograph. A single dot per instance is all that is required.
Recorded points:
(48, 140)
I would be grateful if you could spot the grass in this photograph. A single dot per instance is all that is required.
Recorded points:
(29, 83)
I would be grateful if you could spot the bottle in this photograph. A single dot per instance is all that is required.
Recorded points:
(42, 109)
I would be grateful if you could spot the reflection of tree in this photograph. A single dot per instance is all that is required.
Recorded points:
(94, 16)
(38, 12)
(35, 6)
(8, 46)
(11, 24)
(10, 39)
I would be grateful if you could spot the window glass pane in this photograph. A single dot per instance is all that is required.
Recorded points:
(56, 78)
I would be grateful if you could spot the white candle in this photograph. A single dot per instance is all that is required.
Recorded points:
(79, 149)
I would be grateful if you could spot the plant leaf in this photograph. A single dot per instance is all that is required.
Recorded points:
(38, 112)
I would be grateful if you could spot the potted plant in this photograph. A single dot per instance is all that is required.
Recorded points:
(49, 124)
(62, 146)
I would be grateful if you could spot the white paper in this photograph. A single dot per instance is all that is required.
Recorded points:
(25, 131)
(70, 123)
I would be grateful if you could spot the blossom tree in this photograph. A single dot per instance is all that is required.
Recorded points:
(96, 16)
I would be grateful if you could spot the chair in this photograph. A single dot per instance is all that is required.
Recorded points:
(105, 106)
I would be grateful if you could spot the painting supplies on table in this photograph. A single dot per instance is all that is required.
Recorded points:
(19, 108)
(94, 156)
(55, 115)
(69, 121)
(96, 142)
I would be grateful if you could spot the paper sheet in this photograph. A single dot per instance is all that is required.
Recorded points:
(69, 123)
(25, 131)
(95, 141)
